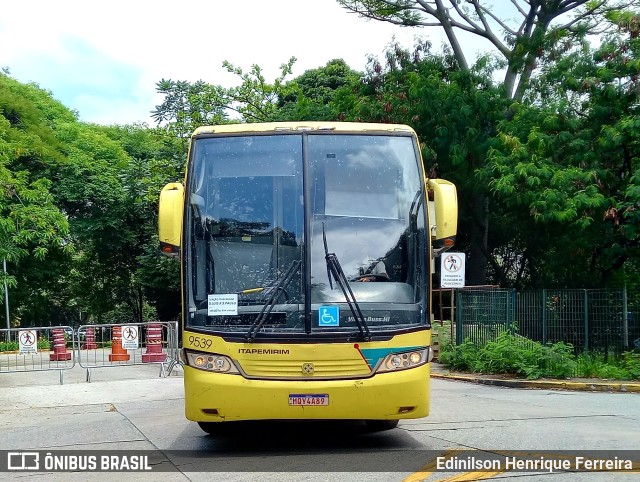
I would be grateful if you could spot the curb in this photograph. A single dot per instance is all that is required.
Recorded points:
(588, 386)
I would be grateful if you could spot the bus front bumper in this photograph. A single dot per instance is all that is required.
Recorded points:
(215, 397)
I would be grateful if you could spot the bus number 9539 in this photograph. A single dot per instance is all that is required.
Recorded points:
(199, 342)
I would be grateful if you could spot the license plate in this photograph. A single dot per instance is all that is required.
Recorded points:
(309, 399)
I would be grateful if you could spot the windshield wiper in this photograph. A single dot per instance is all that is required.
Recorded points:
(335, 269)
(412, 237)
(274, 290)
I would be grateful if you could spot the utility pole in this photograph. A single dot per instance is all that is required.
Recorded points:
(6, 298)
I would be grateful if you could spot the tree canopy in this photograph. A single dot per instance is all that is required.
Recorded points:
(77, 210)
(548, 170)
(519, 31)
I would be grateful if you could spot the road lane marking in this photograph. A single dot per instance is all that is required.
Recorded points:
(430, 467)
(469, 476)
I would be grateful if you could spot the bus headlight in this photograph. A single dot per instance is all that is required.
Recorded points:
(211, 362)
(402, 361)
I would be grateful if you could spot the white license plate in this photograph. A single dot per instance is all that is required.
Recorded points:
(309, 399)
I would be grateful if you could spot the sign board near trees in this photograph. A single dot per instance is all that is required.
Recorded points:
(452, 270)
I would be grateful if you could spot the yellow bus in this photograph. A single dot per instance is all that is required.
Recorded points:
(306, 254)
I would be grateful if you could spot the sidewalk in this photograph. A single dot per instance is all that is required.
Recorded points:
(577, 384)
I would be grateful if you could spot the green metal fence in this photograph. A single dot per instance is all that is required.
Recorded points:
(598, 320)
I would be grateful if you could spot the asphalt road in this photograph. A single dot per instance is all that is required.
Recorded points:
(131, 408)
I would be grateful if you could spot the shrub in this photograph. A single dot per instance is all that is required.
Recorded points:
(511, 354)
(9, 346)
(43, 344)
(597, 365)
(459, 357)
(631, 362)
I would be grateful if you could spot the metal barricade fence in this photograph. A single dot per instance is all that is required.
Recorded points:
(111, 345)
(38, 348)
(45, 348)
(605, 321)
(482, 314)
(173, 345)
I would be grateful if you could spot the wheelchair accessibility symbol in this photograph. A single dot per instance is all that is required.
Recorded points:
(328, 316)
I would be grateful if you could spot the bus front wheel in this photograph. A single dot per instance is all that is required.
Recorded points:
(381, 425)
(214, 428)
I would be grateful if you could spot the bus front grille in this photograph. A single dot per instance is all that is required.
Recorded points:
(279, 369)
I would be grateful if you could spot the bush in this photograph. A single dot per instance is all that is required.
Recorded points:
(511, 354)
(631, 362)
(597, 365)
(9, 346)
(43, 344)
(459, 357)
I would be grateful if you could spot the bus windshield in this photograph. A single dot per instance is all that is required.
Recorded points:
(259, 210)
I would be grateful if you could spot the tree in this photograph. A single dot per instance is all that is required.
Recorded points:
(455, 113)
(573, 166)
(155, 160)
(187, 106)
(118, 231)
(520, 42)
(310, 95)
(32, 227)
(78, 213)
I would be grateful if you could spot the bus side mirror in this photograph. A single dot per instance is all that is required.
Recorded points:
(170, 214)
(443, 214)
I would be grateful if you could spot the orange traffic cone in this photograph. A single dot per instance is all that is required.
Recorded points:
(117, 352)
(60, 352)
(154, 345)
(90, 340)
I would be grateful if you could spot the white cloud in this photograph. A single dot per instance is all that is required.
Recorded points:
(104, 59)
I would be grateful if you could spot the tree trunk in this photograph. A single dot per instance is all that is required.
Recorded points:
(476, 270)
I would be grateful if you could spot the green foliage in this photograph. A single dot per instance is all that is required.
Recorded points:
(514, 355)
(109, 275)
(597, 365)
(631, 363)
(9, 346)
(549, 187)
(122, 313)
(187, 106)
(310, 96)
(30, 222)
(459, 357)
(568, 162)
(43, 344)
(455, 113)
(78, 206)
(254, 99)
(522, 34)
(511, 354)
(13, 346)
(34, 229)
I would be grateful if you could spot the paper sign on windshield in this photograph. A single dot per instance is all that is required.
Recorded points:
(221, 305)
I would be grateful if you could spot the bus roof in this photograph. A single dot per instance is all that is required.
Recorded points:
(260, 127)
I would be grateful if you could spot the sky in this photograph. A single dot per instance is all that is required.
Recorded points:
(103, 59)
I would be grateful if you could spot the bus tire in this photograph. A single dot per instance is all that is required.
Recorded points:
(381, 425)
(214, 428)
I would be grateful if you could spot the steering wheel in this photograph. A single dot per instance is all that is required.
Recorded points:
(374, 276)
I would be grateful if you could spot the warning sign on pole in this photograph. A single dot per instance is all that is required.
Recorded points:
(28, 341)
(130, 338)
(452, 270)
